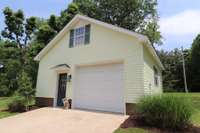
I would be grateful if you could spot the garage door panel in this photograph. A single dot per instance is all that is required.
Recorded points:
(99, 88)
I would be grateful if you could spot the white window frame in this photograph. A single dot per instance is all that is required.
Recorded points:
(77, 36)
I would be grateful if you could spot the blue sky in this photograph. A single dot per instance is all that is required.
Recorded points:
(179, 22)
(179, 19)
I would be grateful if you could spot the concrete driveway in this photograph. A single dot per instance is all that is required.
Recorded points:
(54, 120)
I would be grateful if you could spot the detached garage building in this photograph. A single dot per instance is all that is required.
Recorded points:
(98, 66)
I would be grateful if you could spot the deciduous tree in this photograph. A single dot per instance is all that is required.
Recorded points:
(136, 15)
(18, 29)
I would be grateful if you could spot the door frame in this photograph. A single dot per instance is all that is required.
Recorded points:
(58, 87)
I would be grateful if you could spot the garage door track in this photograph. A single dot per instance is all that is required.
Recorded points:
(55, 120)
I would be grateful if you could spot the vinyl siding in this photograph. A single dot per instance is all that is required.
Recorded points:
(149, 63)
(106, 46)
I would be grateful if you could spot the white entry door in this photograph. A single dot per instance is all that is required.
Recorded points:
(99, 88)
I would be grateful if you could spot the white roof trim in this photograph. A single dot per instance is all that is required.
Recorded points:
(153, 52)
(141, 38)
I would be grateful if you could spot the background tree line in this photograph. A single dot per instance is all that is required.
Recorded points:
(173, 73)
(22, 38)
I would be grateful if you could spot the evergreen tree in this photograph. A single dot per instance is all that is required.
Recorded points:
(195, 64)
(25, 87)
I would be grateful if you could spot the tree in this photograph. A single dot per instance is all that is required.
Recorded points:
(151, 30)
(19, 34)
(53, 23)
(195, 64)
(30, 66)
(67, 14)
(10, 58)
(26, 90)
(173, 73)
(45, 33)
(30, 27)
(17, 28)
(136, 15)
(49, 28)
(4, 90)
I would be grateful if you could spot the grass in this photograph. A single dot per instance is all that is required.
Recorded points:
(4, 114)
(3, 107)
(4, 102)
(132, 130)
(195, 98)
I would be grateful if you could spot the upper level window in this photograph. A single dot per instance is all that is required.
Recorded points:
(79, 36)
(156, 76)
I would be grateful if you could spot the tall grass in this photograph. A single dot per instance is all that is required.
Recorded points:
(166, 111)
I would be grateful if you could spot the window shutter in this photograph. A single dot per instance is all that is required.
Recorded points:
(71, 39)
(87, 34)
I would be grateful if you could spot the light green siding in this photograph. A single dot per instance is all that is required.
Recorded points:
(149, 85)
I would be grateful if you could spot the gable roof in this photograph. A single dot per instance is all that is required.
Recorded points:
(141, 38)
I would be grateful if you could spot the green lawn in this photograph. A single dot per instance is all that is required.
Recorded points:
(3, 106)
(195, 98)
(132, 130)
(6, 114)
(4, 102)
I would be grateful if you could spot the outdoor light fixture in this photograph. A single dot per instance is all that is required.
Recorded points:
(1, 66)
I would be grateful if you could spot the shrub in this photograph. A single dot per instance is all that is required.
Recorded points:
(25, 88)
(166, 111)
(17, 104)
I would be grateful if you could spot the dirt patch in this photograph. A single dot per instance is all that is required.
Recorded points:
(136, 122)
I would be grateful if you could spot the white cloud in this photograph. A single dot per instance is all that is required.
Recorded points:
(185, 23)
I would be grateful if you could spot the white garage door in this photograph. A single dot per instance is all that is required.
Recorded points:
(99, 88)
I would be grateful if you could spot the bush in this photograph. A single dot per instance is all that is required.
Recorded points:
(17, 104)
(166, 111)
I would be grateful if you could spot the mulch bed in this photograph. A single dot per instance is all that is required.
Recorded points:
(136, 122)
(33, 107)
(2, 110)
